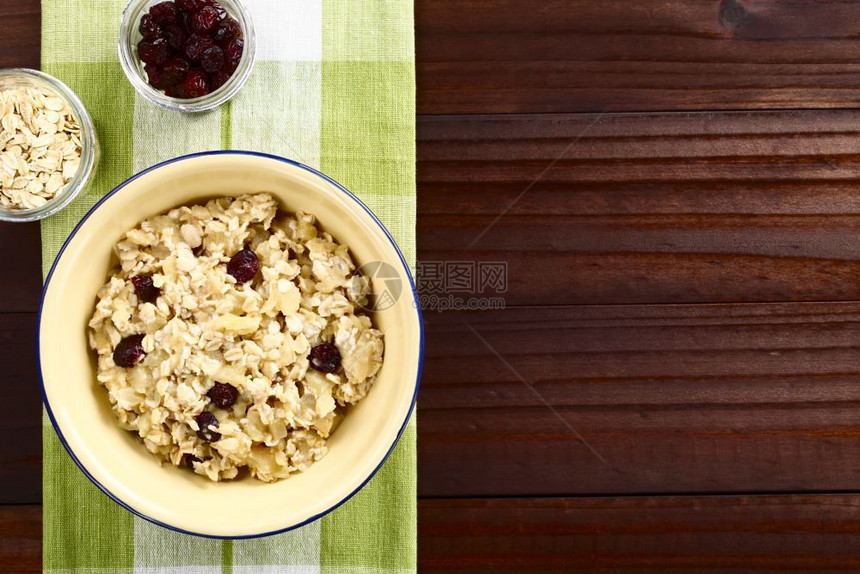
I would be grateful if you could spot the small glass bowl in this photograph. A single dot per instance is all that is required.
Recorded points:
(129, 36)
(90, 153)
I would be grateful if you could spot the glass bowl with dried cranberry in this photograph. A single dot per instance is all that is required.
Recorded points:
(187, 55)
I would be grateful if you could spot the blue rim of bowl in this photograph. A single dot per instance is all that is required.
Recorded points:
(337, 186)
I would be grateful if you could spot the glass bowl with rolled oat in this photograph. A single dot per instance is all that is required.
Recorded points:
(48, 145)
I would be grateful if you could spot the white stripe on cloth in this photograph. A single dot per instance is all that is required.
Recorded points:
(288, 124)
(283, 569)
(278, 111)
(287, 30)
(294, 552)
(158, 549)
(156, 140)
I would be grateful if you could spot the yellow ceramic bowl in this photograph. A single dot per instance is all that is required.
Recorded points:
(115, 460)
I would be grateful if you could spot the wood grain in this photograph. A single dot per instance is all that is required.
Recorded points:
(20, 267)
(20, 288)
(20, 39)
(505, 56)
(21, 451)
(654, 208)
(20, 259)
(21, 539)
(641, 399)
(705, 535)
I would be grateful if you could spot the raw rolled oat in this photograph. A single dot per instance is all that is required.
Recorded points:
(40, 146)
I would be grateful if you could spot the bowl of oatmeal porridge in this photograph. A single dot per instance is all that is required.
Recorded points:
(230, 344)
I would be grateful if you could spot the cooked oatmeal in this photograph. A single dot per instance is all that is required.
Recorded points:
(231, 336)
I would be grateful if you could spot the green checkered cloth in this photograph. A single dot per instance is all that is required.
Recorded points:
(333, 87)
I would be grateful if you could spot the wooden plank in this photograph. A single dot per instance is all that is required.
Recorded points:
(20, 267)
(641, 399)
(20, 40)
(653, 208)
(706, 535)
(20, 273)
(506, 56)
(21, 451)
(21, 539)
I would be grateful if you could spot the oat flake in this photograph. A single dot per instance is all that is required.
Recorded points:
(40, 149)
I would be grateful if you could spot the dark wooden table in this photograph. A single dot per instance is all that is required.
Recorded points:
(674, 384)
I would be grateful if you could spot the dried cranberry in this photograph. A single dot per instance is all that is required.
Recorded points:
(174, 71)
(155, 74)
(145, 289)
(194, 85)
(243, 266)
(164, 13)
(185, 21)
(129, 351)
(220, 33)
(175, 36)
(223, 395)
(149, 28)
(189, 5)
(325, 358)
(233, 53)
(155, 52)
(212, 60)
(205, 20)
(222, 12)
(179, 49)
(195, 46)
(226, 31)
(218, 79)
(188, 460)
(205, 420)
